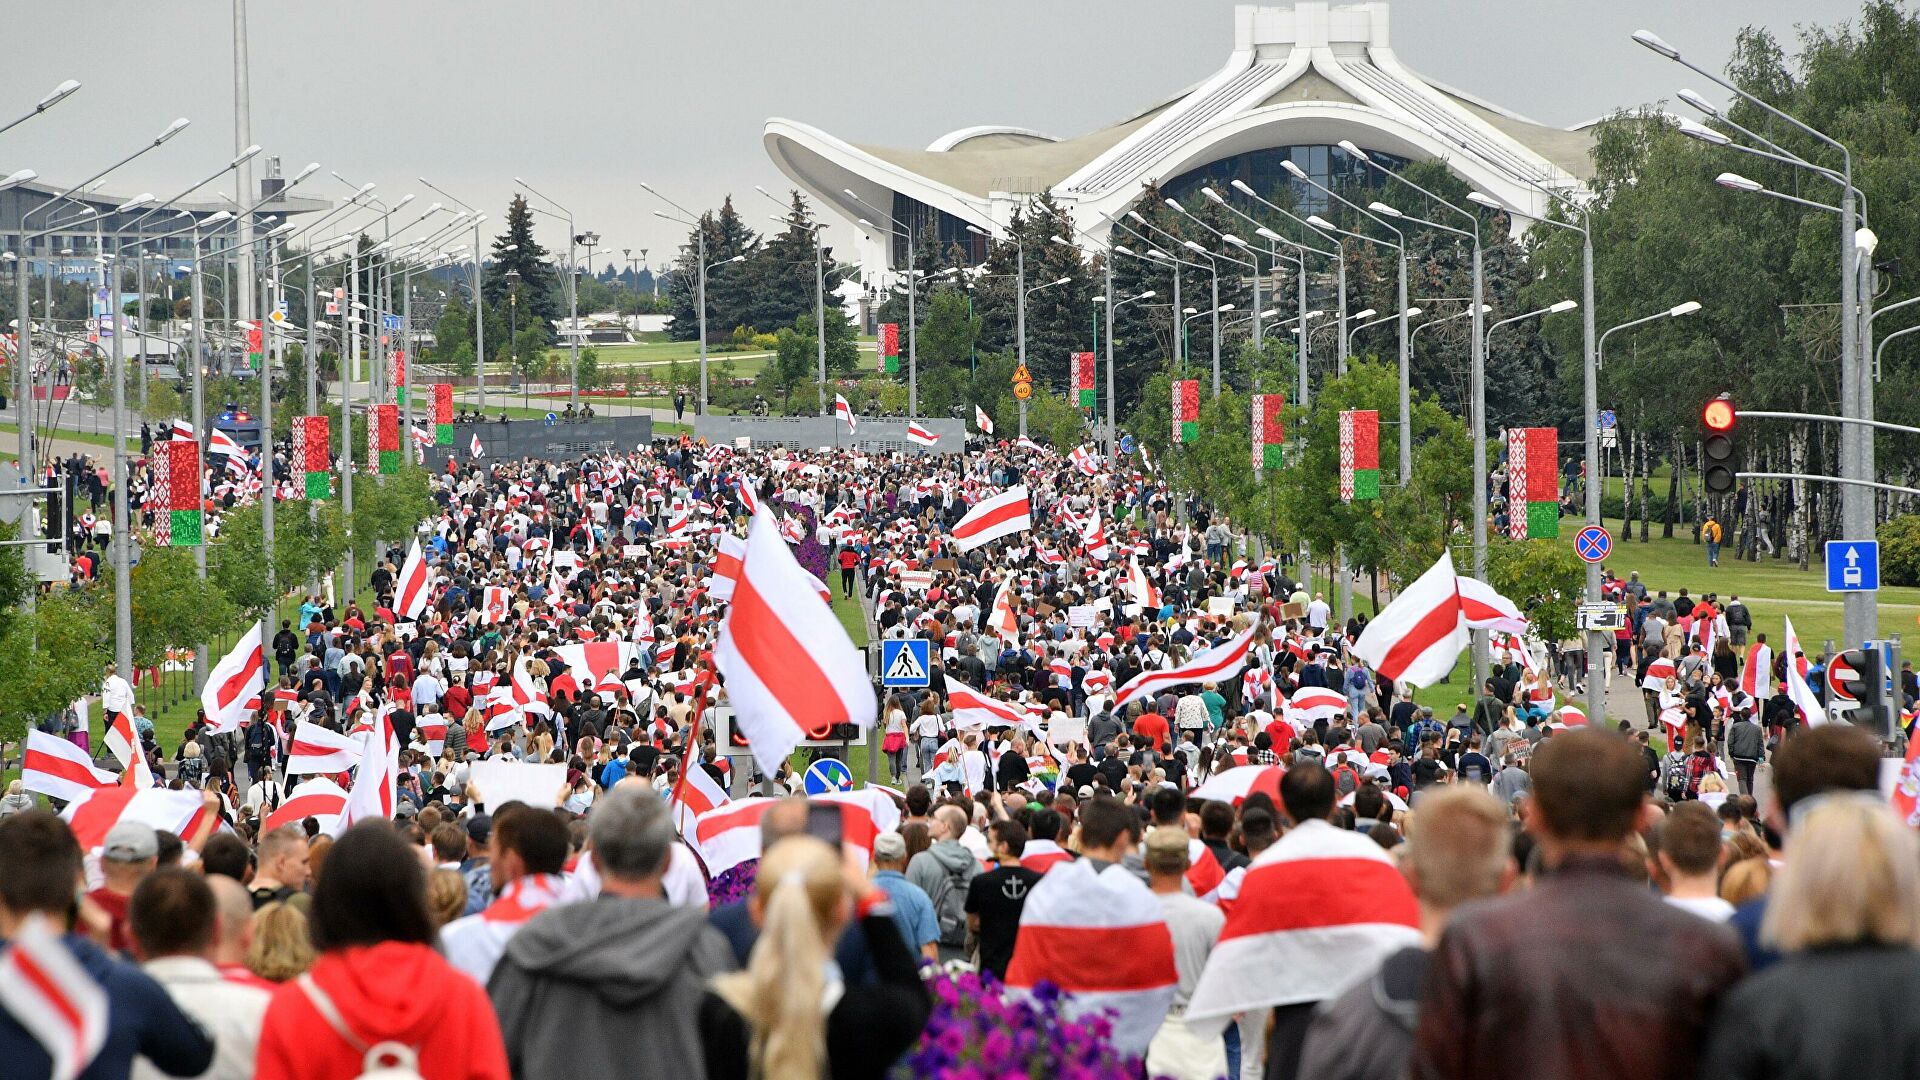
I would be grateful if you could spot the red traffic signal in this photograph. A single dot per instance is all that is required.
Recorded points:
(1719, 414)
(1718, 417)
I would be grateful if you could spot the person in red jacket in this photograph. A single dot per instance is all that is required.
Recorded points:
(379, 977)
(1152, 726)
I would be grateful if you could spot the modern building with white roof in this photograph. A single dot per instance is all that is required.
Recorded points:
(1299, 80)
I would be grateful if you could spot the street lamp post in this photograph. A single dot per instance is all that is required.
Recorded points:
(819, 295)
(573, 308)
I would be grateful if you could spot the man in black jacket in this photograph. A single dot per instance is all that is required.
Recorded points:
(1746, 745)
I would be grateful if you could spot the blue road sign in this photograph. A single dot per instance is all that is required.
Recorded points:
(551, 420)
(1126, 444)
(828, 775)
(1853, 565)
(1593, 543)
(905, 663)
(1608, 420)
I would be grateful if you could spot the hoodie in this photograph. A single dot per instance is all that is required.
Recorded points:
(583, 985)
(394, 991)
(946, 870)
(1367, 1032)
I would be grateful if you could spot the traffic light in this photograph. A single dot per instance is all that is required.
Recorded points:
(1719, 417)
(1857, 686)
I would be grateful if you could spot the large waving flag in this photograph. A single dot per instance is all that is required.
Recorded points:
(53, 998)
(125, 745)
(94, 815)
(410, 592)
(1799, 691)
(57, 768)
(376, 787)
(1140, 589)
(1418, 637)
(315, 749)
(219, 442)
(1488, 610)
(1004, 514)
(1313, 909)
(694, 793)
(1075, 913)
(1310, 703)
(1002, 620)
(972, 709)
(234, 687)
(1219, 663)
(920, 435)
(319, 798)
(596, 664)
(982, 421)
(729, 835)
(788, 662)
(1094, 539)
(844, 411)
(527, 695)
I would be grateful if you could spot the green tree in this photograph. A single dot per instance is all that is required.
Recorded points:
(1900, 550)
(782, 271)
(539, 287)
(587, 370)
(1544, 577)
(729, 288)
(172, 606)
(49, 657)
(947, 331)
(304, 547)
(451, 330)
(389, 510)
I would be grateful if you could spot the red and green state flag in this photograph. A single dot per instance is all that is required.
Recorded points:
(1533, 483)
(890, 348)
(1359, 454)
(1186, 410)
(1083, 379)
(442, 415)
(312, 439)
(1269, 432)
(383, 437)
(256, 346)
(175, 494)
(400, 376)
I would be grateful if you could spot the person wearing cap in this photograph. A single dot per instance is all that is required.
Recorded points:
(475, 868)
(1195, 926)
(39, 862)
(129, 853)
(912, 907)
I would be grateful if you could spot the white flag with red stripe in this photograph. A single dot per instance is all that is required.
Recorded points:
(1757, 678)
(528, 696)
(125, 745)
(595, 664)
(1488, 610)
(1002, 620)
(49, 994)
(726, 566)
(410, 592)
(432, 727)
(1799, 691)
(57, 768)
(973, 710)
(844, 411)
(233, 689)
(376, 786)
(1418, 636)
(1219, 663)
(730, 835)
(982, 421)
(1318, 906)
(1094, 539)
(95, 814)
(1004, 514)
(1075, 913)
(788, 662)
(694, 793)
(315, 749)
(920, 435)
(1139, 589)
(319, 798)
(1310, 703)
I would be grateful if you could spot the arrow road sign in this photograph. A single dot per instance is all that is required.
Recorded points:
(1853, 565)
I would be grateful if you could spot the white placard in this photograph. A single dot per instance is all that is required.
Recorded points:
(566, 559)
(1080, 615)
(1220, 605)
(743, 442)
(918, 580)
(633, 551)
(502, 781)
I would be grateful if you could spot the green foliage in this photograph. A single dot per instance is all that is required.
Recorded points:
(15, 582)
(387, 509)
(947, 331)
(172, 606)
(164, 402)
(1052, 419)
(785, 272)
(538, 287)
(587, 370)
(452, 330)
(303, 549)
(48, 658)
(1544, 577)
(1900, 550)
(731, 288)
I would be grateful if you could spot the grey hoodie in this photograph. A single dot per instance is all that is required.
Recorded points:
(586, 989)
(945, 867)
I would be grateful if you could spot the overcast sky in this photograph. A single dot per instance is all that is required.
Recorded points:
(585, 98)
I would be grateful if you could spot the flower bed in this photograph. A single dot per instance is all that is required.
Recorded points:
(979, 1031)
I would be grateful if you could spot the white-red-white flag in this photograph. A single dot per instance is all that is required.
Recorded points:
(319, 798)
(219, 442)
(49, 994)
(1075, 913)
(376, 786)
(694, 793)
(844, 411)
(982, 421)
(1286, 943)
(431, 727)
(973, 709)
(789, 665)
(1004, 514)
(410, 591)
(95, 814)
(57, 768)
(594, 664)
(920, 435)
(124, 743)
(315, 749)
(1310, 703)
(726, 566)
(474, 448)
(1756, 679)
(1799, 691)
(1094, 539)
(1140, 589)
(1488, 610)
(1219, 663)
(528, 696)
(235, 685)
(1418, 636)
(730, 835)
(1002, 620)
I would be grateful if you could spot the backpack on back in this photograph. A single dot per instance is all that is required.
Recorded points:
(950, 908)
(1673, 776)
(1345, 779)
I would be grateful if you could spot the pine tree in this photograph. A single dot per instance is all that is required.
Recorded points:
(783, 272)
(541, 299)
(729, 288)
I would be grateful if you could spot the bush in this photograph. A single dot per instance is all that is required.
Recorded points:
(1900, 551)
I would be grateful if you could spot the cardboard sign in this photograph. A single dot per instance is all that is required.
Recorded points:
(1080, 615)
(1044, 609)
(566, 559)
(502, 781)
(946, 566)
(1220, 605)
(917, 580)
(1293, 611)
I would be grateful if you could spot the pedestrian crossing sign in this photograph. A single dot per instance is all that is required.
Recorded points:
(905, 663)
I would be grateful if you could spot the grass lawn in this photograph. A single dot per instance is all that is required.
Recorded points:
(72, 436)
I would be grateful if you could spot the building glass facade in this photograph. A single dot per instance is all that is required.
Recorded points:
(1262, 171)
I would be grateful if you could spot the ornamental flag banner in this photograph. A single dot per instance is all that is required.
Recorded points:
(383, 438)
(175, 493)
(311, 444)
(1269, 432)
(399, 376)
(1359, 455)
(1083, 379)
(256, 346)
(890, 348)
(442, 414)
(1533, 483)
(1186, 410)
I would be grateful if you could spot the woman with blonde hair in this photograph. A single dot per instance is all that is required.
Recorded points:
(281, 949)
(790, 1015)
(446, 896)
(1845, 914)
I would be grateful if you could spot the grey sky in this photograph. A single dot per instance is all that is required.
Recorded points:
(584, 98)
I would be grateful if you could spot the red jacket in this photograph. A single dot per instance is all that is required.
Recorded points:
(393, 991)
